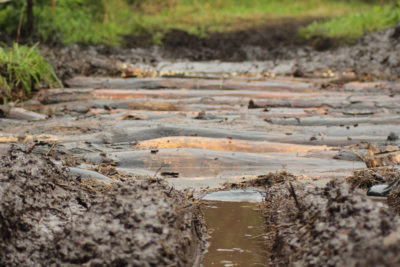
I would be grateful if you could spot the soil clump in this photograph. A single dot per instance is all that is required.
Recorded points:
(49, 218)
(263, 181)
(330, 226)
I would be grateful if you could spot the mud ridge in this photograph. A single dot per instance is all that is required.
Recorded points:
(330, 226)
(48, 218)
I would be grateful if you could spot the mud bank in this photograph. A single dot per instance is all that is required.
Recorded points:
(49, 218)
(272, 49)
(330, 226)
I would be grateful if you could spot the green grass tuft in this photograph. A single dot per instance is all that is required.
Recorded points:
(351, 27)
(21, 69)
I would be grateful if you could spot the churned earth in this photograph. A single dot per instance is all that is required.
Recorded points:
(274, 49)
(329, 226)
(48, 217)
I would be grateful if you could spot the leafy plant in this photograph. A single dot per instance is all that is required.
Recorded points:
(21, 69)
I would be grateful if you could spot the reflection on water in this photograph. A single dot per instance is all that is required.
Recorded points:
(236, 230)
(238, 195)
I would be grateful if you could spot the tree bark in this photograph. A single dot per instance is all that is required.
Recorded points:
(30, 18)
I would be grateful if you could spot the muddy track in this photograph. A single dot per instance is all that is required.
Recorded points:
(200, 132)
(212, 131)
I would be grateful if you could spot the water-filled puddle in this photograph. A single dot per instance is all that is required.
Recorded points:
(236, 234)
(246, 195)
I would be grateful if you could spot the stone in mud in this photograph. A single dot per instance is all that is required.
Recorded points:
(49, 218)
(381, 190)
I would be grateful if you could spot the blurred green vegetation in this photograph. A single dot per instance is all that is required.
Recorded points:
(107, 21)
(21, 69)
(350, 27)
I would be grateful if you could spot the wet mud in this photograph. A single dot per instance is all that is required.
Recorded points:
(237, 45)
(50, 218)
(274, 49)
(329, 226)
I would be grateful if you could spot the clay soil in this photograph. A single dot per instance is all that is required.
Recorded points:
(50, 218)
(329, 226)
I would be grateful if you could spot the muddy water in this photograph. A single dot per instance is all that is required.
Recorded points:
(236, 230)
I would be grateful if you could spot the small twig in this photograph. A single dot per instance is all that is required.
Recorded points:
(293, 194)
(51, 148)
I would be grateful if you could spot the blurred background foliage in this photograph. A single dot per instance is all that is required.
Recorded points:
(107, 21)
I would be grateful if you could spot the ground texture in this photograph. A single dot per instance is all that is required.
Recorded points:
(330, 226)
(279, 48)
(48, 218)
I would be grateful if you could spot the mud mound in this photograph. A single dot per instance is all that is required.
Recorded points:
(48, 218)
(76, 60)
(393, 198)
(264, 181)
(263, 42)
(331, 226)
(374, 54)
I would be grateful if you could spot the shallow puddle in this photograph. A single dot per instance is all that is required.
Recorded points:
(240, 195)
(236, 230)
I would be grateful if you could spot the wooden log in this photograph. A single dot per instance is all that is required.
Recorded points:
(23, 114)
(332, 121)
(225, 144)
(181, 83)
(180, 94)
(53, 96)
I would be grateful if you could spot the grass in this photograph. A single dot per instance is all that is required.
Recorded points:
(21, 68)
(105, 21)
(201, 17)
(353, 26)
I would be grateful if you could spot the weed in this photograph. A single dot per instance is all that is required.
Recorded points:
(21, 69)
